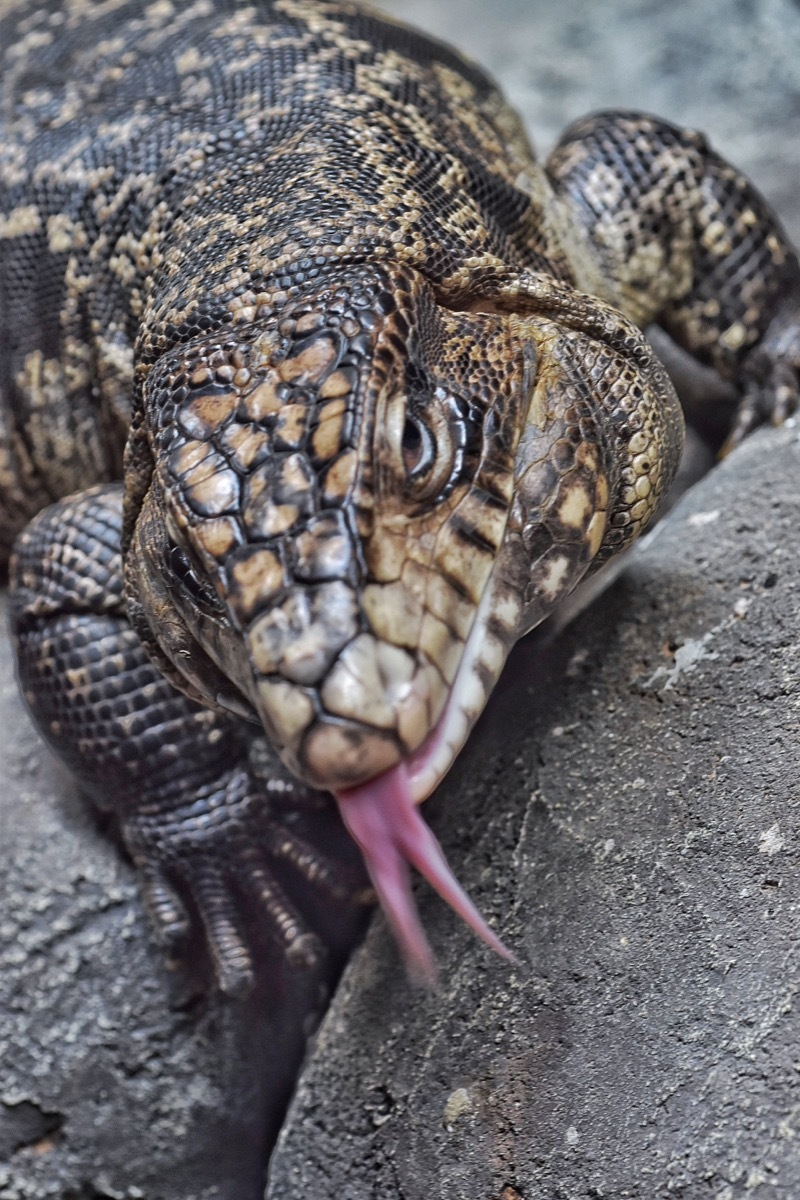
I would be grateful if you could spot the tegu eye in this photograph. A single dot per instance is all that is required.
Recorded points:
(418, 447)
(430, 444)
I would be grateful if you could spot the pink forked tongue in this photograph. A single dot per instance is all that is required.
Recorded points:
(384, 820)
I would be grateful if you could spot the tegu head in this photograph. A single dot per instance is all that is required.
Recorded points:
(349, 503)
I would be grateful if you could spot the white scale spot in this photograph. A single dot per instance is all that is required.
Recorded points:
(553, 581)
(703, 518)
(771, 841)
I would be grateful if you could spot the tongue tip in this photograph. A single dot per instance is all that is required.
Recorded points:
(422, 972)
(499, 947)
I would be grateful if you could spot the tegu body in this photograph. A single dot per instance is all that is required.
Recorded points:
(381, 404)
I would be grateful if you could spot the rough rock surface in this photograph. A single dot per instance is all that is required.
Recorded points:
(117, 1081)
(628, 818)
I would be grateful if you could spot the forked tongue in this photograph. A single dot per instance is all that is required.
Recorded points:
(384, 820)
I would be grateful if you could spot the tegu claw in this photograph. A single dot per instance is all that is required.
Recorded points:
(770, 377)
(219, 909)
(774, 400)
(233, 963)
(166, 910)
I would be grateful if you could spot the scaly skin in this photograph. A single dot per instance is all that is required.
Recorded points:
(381, 401)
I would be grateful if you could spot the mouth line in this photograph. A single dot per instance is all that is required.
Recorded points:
(433, 758)
(383, 817)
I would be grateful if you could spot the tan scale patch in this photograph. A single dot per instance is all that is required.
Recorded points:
(255, 581)
(449, 606)
(338, 383)
(216, 492)
(336, 756)
(392, 613)
(290, 428)
(309, 365)
(436, 641)
(217, 536)
(386, 554)
(289, 709)
(265, 521)
(341, 477)
(204, 415)
(488, 521)
(507, 611)
(244, 444)
(367, 682)
(470, 564)
(301, 637)
(327, 439)
(418, 712)
(25, 219)
(264, 400)
(205, 478)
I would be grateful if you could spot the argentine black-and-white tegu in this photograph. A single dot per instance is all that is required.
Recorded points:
(375, 386)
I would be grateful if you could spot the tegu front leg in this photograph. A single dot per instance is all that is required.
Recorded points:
(210, 823)
(671, 233)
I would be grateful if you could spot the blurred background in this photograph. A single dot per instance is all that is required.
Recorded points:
(728, 67)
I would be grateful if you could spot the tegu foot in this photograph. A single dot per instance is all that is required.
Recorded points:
(220, 832)
(220, 860)
(770, 380)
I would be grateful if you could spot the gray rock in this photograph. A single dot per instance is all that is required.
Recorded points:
(627, 816)
(117, 1081)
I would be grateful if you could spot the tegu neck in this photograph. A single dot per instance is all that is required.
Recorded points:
(310, 198)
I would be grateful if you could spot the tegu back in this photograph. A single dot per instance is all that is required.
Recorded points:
(165, 171)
